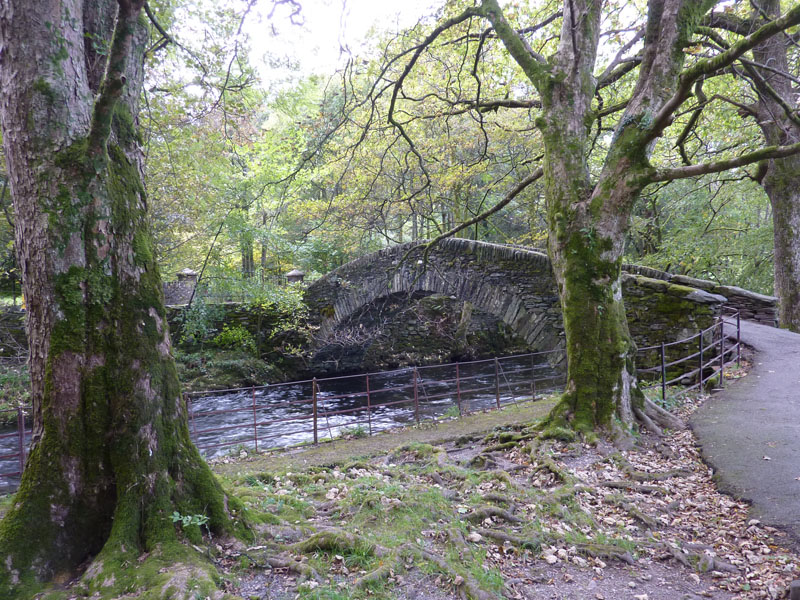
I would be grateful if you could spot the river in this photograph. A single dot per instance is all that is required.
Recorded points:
(282, 415)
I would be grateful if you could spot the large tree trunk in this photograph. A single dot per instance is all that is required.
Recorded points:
(588, 217)
(111, 456)
(782, 179)
(584, 247)
(782, 184)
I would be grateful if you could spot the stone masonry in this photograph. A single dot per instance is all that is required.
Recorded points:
(516, 285)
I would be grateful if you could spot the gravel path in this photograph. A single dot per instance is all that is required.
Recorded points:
(750, 432)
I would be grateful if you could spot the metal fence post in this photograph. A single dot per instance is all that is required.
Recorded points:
(369, 407)
(416, 395)
(496, 383)
(663, 374)
(255, 419)
(192, 425)
(314, 402)
(738, 338)
(721, 352)
(21, 438)
(533, 379)
(458, 392)
(700, 371)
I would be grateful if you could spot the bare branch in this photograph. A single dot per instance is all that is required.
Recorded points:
(709, 66)
(513, 193)
(619, 60)
(770, 152)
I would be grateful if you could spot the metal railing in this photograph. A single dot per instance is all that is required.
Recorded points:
(455, 389)
(318, 408)
(20, 439)
(706, 358)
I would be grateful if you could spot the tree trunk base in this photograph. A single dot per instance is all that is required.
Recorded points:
(560, 423)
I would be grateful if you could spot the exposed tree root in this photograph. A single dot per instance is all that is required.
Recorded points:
(503, 537)
(634, 487)
(642, 476)
(544, 462)
(457, 539)
(605, 551)
(699, 561)
(478, 515)
(645, 420)
(499, 499)
(466, 583)
(662, 476)
(385, 570)
(294, 565)
(332, 540)
(632, 510)
(659, 416)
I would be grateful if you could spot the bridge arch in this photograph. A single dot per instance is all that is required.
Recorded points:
(513, 284)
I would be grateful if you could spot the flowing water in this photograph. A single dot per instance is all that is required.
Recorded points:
(282, 415)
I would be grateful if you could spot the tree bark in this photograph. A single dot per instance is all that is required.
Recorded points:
(588, 218)
(111, 457)
(782, 179)
(782, 185)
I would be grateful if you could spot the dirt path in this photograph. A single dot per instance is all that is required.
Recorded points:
(750, 432)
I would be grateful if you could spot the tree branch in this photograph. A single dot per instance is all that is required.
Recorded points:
(608, 73)
(429, 39)
(724, 59)
(534, 65)
(513, 193)
(770, 152)
(114, 79)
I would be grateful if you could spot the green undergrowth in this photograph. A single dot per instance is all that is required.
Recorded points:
(221, 369)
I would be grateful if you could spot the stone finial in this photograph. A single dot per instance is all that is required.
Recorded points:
(187, 274)
(295, 275)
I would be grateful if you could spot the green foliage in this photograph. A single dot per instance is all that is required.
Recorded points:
(15, 390)
(236, 337)
(197, 322)
(355, 432)
(189, 520)
(716, 228)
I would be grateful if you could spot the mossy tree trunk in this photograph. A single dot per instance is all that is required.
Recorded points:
(589, 215)
(782, 184)
(781, 180)
(111, 457)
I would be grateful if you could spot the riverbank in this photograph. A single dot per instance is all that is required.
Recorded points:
(448, 511)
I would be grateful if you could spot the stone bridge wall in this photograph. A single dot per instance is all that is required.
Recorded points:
(753, 306)
(512, 283)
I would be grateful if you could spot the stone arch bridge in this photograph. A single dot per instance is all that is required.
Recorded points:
(516, 285)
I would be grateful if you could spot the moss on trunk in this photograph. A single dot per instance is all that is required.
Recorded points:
(114, 458)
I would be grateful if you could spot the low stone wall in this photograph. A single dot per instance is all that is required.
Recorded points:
(259, 322)
(752, 306)
(663, 311)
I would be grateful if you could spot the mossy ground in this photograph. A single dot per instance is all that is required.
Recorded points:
(491, 516)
